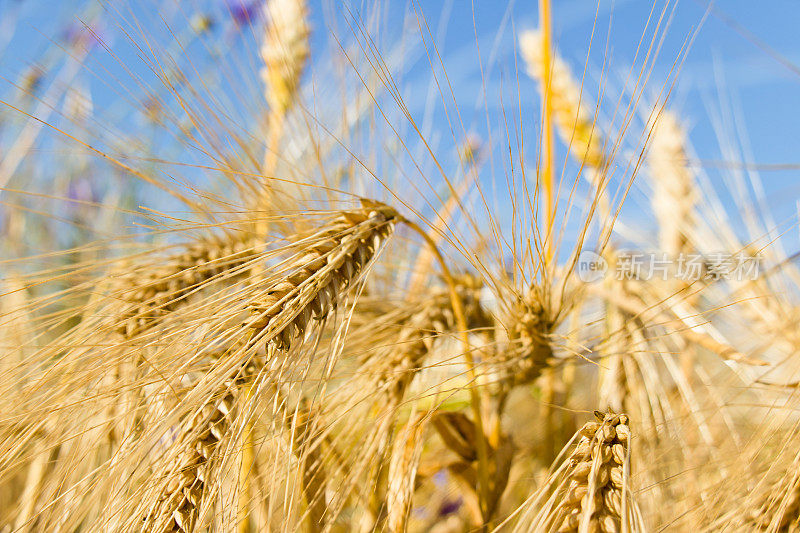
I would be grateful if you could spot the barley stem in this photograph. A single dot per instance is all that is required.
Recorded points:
(246, 467)
(475, 399)
(546, 171)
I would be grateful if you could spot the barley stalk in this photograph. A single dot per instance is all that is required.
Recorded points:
(476, 401)
(331, 260)
(547, 156)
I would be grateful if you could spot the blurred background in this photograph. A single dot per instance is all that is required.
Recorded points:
(82, 79)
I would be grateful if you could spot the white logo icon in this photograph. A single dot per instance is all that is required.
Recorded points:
(591, 267)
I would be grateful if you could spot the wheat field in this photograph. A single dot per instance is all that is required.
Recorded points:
(256, 276)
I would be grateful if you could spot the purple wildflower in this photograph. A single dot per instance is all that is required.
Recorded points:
(81, 190)
(440, 478)
(83, 35)
(449, 507)
(243, 12)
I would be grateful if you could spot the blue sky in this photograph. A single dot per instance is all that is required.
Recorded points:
(744, 62)
(766, 89)
(721, 62)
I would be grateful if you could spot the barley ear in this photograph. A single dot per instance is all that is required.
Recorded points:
(332, 258)
(329, 262)
(674, 188)
(573, 123)
(285, 52)
(178, 508)
(529, 326)
(596, 497)
(151, 293)
(403, 466)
